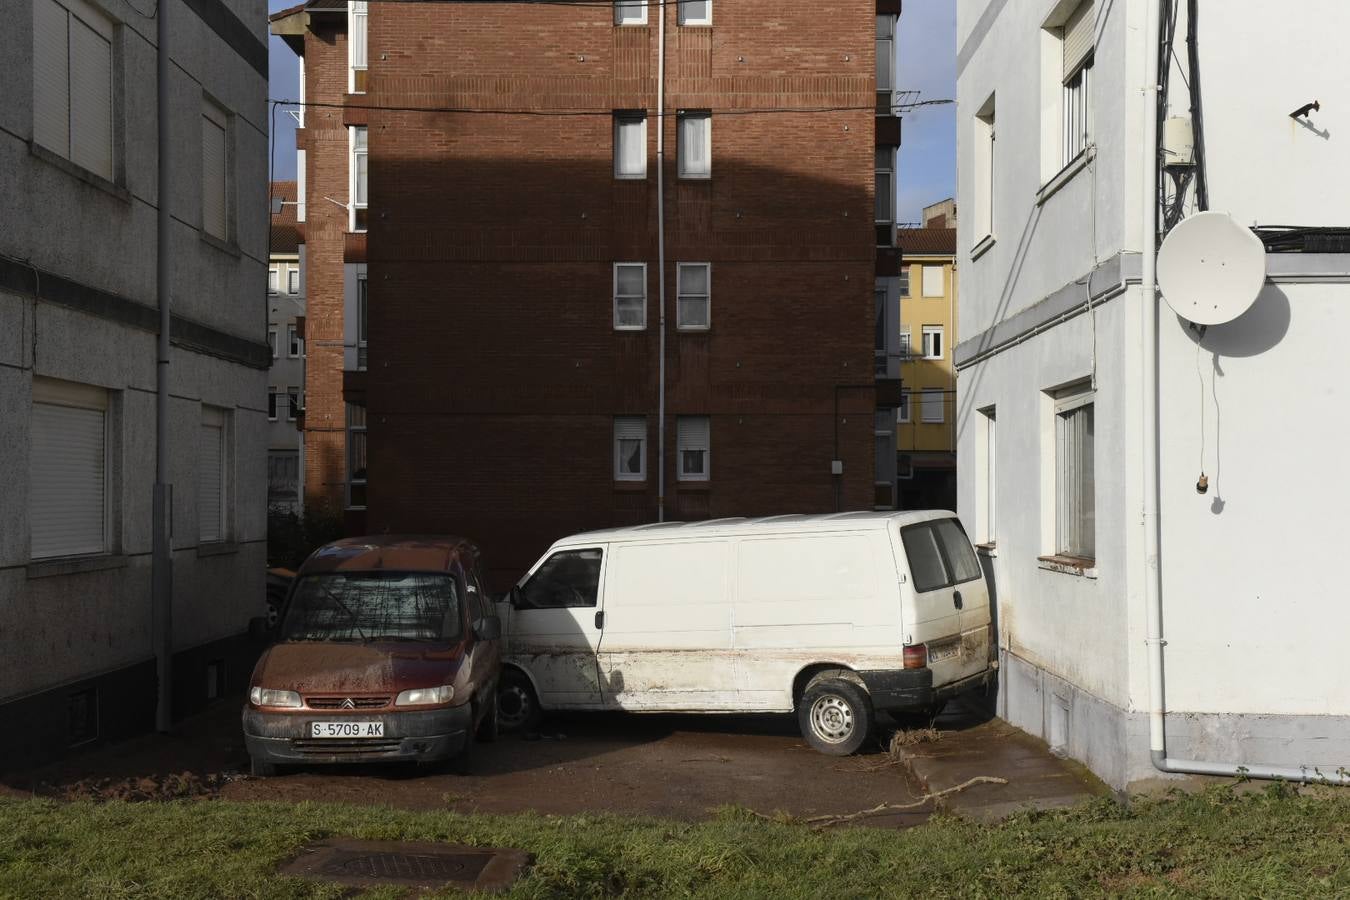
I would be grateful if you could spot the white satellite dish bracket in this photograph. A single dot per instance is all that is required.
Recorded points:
(1211, 269)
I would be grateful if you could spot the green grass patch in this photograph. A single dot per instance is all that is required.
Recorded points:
(1216, 843)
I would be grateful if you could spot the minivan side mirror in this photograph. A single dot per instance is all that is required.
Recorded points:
(259, 631)
(489, 628)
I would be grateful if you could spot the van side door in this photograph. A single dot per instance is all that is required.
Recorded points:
(556, 621)
(667, 641)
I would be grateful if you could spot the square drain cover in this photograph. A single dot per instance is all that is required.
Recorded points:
(423, 865)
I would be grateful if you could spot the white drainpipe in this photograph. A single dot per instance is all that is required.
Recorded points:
(1153, 466)
(661, 259)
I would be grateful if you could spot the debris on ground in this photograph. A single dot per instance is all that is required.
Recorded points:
(171, 786)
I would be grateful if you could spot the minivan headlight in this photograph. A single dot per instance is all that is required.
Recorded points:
(268, 697)
(425, 696)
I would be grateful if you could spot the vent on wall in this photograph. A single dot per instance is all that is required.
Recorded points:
(82, 717)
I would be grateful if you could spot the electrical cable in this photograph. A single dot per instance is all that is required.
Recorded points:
(1197, 107)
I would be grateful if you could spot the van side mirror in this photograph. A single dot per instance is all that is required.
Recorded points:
(259, 630)
(489, 628)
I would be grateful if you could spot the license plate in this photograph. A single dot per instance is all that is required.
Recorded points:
(346, 729)
(939, 652)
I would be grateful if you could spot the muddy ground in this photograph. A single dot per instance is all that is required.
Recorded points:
(678, 767)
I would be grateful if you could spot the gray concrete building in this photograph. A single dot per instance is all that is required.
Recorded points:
(285, 336)
(78, 327)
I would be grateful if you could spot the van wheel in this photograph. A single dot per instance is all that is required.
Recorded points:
(517, 706)
(835, 715)
(260, 768)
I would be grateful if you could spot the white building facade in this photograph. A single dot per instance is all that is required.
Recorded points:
(78, 333)
(1052, 379)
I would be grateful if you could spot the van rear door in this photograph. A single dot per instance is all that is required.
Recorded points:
(944, 579)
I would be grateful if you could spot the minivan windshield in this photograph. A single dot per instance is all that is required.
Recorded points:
(373, 606)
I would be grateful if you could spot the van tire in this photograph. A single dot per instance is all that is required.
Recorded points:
(490, 727)
(835, 715)
(261, 768)
(518, 709)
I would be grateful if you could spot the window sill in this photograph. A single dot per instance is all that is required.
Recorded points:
(630, 329)
(983, 247)
(690, 329)
(1066, 174)
(1068, 565)
(697, 178)
(227, 247)
(990, 550)
(78, 171)
(637, 178)
(75, 565)
(217, 548)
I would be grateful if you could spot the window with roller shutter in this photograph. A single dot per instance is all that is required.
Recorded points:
(630, 448)
(73, 83)
(215, 171)
(68, 508)
(212, 476)
(693, 442)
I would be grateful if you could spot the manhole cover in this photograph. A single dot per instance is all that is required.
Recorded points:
(409, 864)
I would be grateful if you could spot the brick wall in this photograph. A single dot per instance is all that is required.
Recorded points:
(495, 371)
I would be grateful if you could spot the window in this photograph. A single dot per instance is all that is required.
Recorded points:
(984, 170)
(1075, 487)
(934, 399)
(271, 404)
(695, 12)
(73, 83)
(932, 342)
(358, 20)
(273, 280)
(359, 173)
(630, 145)
(630, 296)
(693, 303)
(695, 144)
(68, 511)
(902, 412)
(906, 341)
(272, 339)
(630, 12)
(885, 62)
(693, 442)
(567, 579)
(1066, 87)
(883, 484)
(295, 347)
(940, 555)
(215, 171)
(293, 280)
(362, 311)
(292, 403)
(988, 476)
(356, 456)
(630, 448)
(885, 186)
(934, 281)
(904, 281)
(879, 360)
(212, 475)
(904, 466)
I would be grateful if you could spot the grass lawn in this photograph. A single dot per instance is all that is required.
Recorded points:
(1216, 843)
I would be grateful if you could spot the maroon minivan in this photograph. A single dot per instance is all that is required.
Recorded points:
(386, 650)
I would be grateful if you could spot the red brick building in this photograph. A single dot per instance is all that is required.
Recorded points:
(500, 257)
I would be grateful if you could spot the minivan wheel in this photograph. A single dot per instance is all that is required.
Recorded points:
(490, 727)
(261, 768)
(835, 716)
(517, 706)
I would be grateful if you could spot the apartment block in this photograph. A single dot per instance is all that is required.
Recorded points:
(286, 340)
(562, 274)
(79, 322)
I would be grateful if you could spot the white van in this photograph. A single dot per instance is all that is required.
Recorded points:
(833, 616)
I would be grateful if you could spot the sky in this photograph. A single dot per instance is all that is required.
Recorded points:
(928, 134)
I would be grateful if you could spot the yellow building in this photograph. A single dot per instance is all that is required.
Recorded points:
(926, 420)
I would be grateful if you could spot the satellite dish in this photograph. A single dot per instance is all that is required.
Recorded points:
(1210, 268)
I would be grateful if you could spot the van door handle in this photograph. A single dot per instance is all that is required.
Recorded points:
(956, 599)
(600, 618)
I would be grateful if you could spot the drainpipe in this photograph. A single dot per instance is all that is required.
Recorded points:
(161, 563)
(661, 260)
(1153, 465)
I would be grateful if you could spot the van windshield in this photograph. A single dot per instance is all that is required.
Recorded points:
(374, 606)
